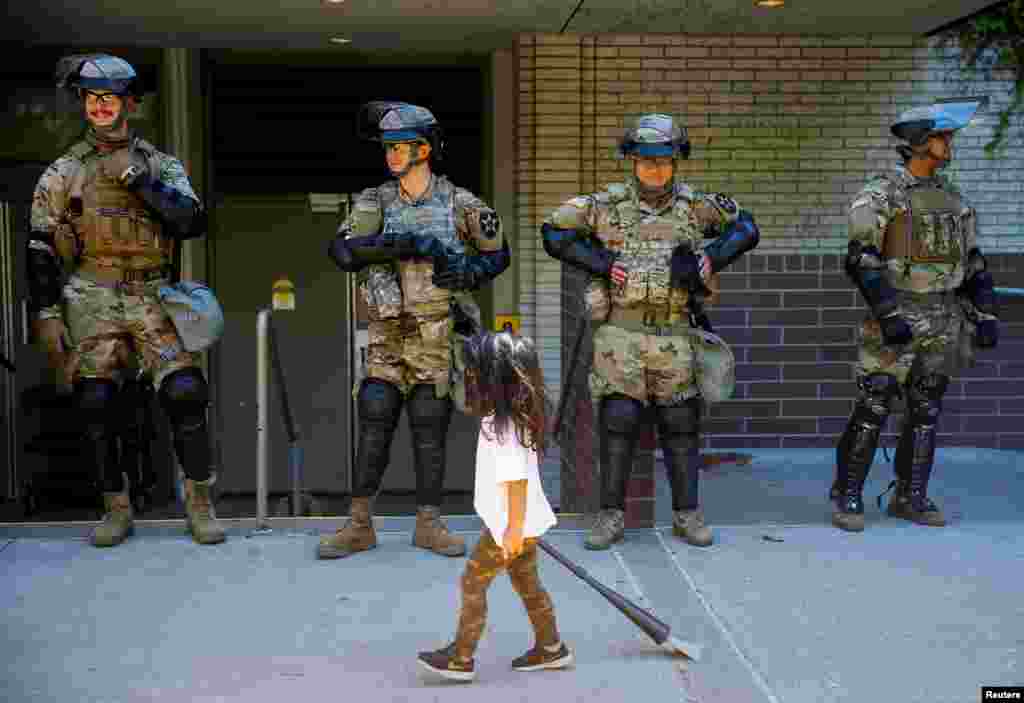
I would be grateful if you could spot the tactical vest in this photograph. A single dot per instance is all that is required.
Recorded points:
(929, 240)
(434, 216)
(112, 224)
(646, 242)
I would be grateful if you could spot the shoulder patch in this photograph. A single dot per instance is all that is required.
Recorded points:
(724, 203)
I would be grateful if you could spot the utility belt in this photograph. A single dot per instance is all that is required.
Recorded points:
(656, 321)
(118, 277)
(946, 297)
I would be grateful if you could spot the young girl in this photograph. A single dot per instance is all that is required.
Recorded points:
(505, 387)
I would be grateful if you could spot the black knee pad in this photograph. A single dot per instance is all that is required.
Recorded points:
(379, 402)
(877, 391)
(924, 397)
(426, 409)
(184, 395)
(95, 396)
(621, 414)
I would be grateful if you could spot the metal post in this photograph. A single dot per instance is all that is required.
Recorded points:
(262, 389)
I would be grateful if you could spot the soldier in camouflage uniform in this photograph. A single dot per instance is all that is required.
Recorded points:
(419, 245)
(914, 256)
(104, 220)
(643, 242)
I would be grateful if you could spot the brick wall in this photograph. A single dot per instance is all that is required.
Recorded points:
(791, 127)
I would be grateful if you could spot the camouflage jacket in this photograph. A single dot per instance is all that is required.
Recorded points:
(133, 236)
(922, 249)
(461, 220)
(645, 237)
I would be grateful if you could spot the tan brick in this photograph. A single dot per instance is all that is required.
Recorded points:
(688, 52)
(732, 52)
(621, 39)
(756, 64)
(824, 53)
(618, 64)
(557, 39)
(642, 51)
(710, 40)
(606, 52)
(779, 52)
(547, 51)
(709, 64)
(755, 40)
(801, 41)
(774, 76)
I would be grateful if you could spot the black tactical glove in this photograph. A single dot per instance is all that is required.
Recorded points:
(896, 331)
(684, 269)
(455, 273)
(986, 334)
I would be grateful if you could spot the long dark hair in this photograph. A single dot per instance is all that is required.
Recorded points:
(504, 381)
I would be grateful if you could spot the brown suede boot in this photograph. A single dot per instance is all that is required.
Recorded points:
(432, 533)
(689, 524)
(118, 522)
(200, 518)
(356, 535)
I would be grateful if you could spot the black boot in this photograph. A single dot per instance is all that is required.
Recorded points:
(679, 427)
(856, 450)
(620, 419)
(915, 453)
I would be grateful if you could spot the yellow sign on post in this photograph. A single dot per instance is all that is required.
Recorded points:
(284, 294)
(501, 320)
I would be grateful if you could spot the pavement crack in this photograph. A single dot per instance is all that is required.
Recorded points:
(726, 633)
(9, 543)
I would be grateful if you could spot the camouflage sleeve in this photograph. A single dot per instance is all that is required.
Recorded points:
(870, 213)
(169, 193)
(43, 262)
(578, 213)
(477, 223)
(364, 218)
(979, 300)
(714, 213)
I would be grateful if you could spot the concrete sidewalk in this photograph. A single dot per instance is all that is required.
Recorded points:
(811, 615)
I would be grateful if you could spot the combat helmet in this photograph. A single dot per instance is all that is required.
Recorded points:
(97, 72)
(384, 121)
(655, 134)
(916, 125)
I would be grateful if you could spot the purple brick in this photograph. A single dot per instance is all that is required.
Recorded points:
(1011, 441)
(835, 281)
(781, 427)
(818, 335)
(971, 406)
(728, 317)
(760, 263)
(744, 442)
(732, 299)
(986, 389)
(981, 370)
(845, 389)
(784, 318)
(734, 282)
(853, 317)
(817, 372)
(992, 423)
(847, 354)
(757, 372)
(782, 390)
(1011, 406)
(745, 409)
(956, 389)
(987, 441)
(1011, 370)
(787, 281)
(769, 354)
(819, 299)
(832, 425)
(747, 335)
(812, 442)
(727, 426)
(740, 265)
(816, 408)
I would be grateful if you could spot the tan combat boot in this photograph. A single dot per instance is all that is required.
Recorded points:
(117, 521)
(609, 527)
(200, 518)
(432, 533)
(356, 535)
(689, 524)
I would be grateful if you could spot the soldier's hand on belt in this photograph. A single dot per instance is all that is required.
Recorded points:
(126, 166)
(51, 337)
(618, 274)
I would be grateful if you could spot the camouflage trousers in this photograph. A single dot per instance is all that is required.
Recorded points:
(482, 566)
(408, 351)
(642, 366)
(113, 328)
(941, 342)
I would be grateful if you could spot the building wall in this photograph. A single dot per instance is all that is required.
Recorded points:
(791, 127)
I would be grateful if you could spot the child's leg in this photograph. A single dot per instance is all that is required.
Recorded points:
(483, 565)
(539, 608)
